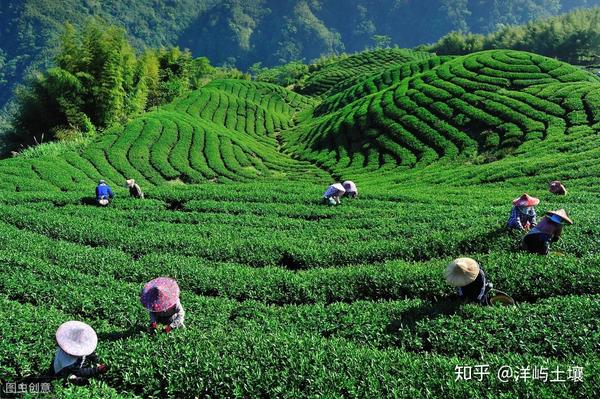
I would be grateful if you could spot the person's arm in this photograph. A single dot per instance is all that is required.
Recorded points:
(92, 358)
(515, 220)
(97, 191)
(533, 218)
(178, 317)
(557, 233)
(88, 371)
(110, 193)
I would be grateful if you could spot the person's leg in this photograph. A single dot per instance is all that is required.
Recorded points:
(533, 243)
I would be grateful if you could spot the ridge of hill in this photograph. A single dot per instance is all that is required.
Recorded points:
(243, 32)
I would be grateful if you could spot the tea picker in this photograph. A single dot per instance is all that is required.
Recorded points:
(471, 284)
(523, 216)
(75, 357)
(161, 298)
(351, 190)
(134, 189)
(333, 193)
(547, 231)
(556, 187)
(103, 193)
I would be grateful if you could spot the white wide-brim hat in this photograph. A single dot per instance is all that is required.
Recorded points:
(76, 338)
(339, 187)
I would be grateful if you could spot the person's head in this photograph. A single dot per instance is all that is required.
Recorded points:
(556, 187)
(101, 181)
(559, 217)
(160, 294)
(76, 338)
(525, 201)
(461, 272)
(129, 182)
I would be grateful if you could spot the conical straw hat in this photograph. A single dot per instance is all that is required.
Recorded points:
(526, 200)
(562, 214)
(462, 271)
(160, 294)
(76, 338)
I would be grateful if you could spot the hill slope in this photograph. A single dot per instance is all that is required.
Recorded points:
(286, 297)
(419, 113)
(226, 131)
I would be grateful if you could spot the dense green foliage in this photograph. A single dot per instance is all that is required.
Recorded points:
(286, 297)
(98, 81)
(440, 109)
(244, 32)
(573, 37)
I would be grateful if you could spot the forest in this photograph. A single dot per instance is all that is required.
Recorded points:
(242, 33)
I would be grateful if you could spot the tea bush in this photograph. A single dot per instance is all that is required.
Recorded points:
(286, 297)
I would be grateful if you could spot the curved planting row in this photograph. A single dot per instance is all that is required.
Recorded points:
(439, 109)
(226, 131)
(335, 76)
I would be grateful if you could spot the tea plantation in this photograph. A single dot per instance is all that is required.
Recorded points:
(286, 297)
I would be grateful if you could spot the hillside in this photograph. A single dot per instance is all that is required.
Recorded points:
(286, 297)
(419, 113)
(244, 32)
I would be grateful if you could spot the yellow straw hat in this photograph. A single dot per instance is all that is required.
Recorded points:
(461, 272)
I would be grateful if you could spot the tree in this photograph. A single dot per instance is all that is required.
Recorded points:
(382, 41)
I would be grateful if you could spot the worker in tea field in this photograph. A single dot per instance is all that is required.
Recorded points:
(547, 231)
(333, 194)
(469, 279)
(103, 193)
(556, 187)
(161, 297)
(75, 357)
(522, 215)
(134, 189)
(350, 187)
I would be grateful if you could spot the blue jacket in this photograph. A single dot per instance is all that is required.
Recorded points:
(103, 191)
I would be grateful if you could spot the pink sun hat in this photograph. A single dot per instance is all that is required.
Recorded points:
(526, 200)
(160, 294)
(76, 338)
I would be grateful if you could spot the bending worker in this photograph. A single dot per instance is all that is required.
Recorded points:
(134, 189)
(75, 357)
(333, 194)
(522, 216)
(103, 193)
(161, 297)
(547, 231)
(469, 280)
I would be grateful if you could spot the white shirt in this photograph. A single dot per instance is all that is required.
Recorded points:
(333, 190)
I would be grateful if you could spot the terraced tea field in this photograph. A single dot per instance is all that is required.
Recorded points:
(286, 297)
